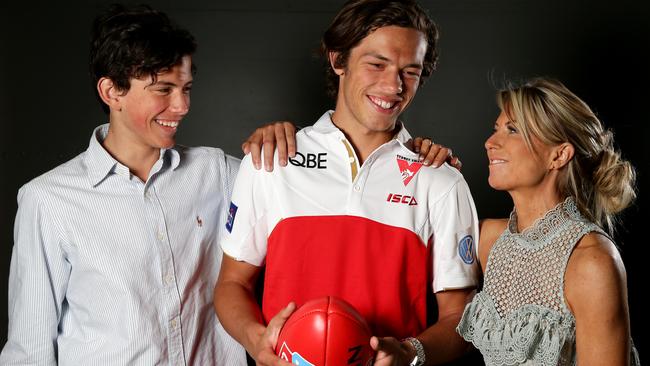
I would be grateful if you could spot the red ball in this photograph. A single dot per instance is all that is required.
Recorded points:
(325, 332)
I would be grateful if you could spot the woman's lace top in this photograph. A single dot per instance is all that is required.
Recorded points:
(520, 316)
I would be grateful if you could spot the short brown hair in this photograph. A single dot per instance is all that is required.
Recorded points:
(358, 18)
(134, 42)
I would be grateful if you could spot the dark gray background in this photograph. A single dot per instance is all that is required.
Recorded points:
(256, 65)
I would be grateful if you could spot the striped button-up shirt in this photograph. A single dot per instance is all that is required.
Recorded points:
(109, 270)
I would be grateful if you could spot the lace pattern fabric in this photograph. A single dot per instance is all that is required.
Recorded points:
(531, 335)
(528, 267)
(521, 315)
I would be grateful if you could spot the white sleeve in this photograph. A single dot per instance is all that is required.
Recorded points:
(455, 234)
(38, 280)
(231, 167)
(246, 228)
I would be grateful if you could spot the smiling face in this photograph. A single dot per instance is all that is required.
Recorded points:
(379, 81)
(513, 166)
(147, 116)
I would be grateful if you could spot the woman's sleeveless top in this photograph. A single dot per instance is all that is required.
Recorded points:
(520, 317)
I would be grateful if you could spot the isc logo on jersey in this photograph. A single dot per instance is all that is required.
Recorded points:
(294, 357)
(401, 198)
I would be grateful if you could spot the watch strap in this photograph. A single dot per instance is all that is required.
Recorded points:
(420, 357)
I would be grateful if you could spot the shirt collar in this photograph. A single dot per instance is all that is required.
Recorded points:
(325, 125)
(101, 164)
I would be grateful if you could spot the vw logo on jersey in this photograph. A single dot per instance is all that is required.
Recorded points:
(466, 249)
(408, 168)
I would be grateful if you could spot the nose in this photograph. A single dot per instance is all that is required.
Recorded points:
(180, 103)
(392, 82)
(492, 142)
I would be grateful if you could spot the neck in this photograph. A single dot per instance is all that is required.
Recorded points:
(532, 204)
(137, 157)
(530, 210)
(363, 140)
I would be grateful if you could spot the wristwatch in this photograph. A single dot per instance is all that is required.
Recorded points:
(419, 358)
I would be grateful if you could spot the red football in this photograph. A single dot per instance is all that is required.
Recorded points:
(325, 332)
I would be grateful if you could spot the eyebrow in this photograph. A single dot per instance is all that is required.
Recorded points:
(384, 58)
(168, 83)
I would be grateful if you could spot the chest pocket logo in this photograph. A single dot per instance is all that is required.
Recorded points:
(408, 168)
(309, 160)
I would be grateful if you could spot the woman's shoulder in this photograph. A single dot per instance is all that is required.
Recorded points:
(595, 269)
(595, 251)
(490, 231)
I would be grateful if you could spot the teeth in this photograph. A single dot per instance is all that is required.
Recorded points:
(495, 161)
(382, 103)
(173, 124)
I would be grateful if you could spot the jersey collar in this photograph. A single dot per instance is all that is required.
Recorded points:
(325, 125)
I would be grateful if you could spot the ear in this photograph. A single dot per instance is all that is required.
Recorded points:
(562, 155)
(109, 93)
(333, 57)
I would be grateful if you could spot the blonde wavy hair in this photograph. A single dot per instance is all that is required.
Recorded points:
(599, 180)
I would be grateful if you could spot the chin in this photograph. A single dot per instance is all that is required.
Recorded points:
(167, 144)
(384, 126)
(494, 184)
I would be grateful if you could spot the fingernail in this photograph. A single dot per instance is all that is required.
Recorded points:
(257, 166)
(426, 162)
(283, 162)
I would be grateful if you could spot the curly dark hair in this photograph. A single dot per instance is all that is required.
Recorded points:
(134, 42)
(358, 18)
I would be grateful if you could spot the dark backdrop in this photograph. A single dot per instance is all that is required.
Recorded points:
(255, 64)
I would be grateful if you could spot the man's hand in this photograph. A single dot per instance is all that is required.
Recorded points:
(264, 353)
(434, 154)
(391, 352)
(267, 137)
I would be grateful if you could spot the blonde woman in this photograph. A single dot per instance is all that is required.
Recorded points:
(555, 286)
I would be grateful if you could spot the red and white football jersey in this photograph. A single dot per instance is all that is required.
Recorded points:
(380, 235)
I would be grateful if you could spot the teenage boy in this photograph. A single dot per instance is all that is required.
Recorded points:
(353, 215)
(116, 254)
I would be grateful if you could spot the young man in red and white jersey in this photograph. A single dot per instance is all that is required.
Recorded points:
(353, 215)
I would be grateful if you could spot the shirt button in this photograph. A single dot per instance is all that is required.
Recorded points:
(161, 237)
(174, 323)
(357, 188)
(169, 279)
(351, 160)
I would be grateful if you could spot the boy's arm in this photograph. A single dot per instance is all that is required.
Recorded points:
(234, 302)
(455, 276)
(440, 341)
(38, 280)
